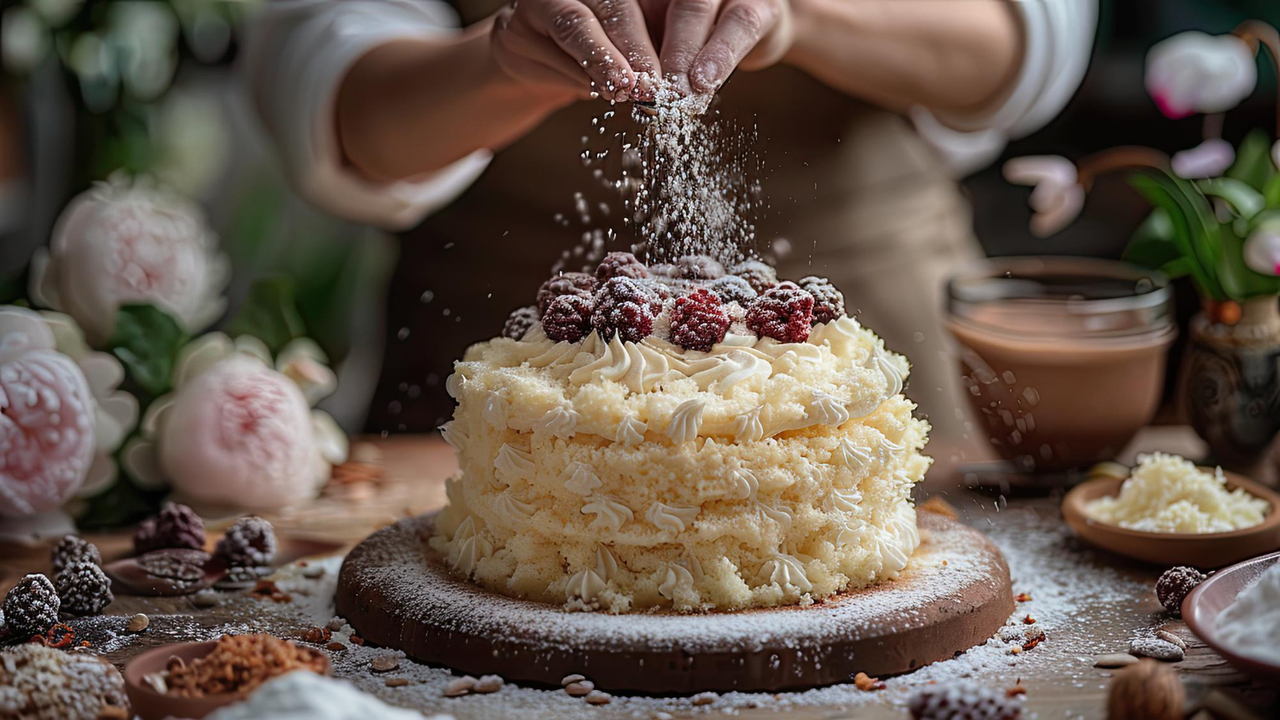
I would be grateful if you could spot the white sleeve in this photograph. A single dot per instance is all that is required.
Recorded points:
(297, 55)
(1057, 42)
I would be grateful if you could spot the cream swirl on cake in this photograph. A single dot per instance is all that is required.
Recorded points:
(707, 455)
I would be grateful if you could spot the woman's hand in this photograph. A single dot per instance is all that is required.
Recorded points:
(580, 46)
(703, 41)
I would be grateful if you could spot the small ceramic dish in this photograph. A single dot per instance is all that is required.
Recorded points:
(1201, 608)
(149, 704)
(1200, 550)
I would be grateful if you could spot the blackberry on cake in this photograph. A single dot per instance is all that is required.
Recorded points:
(83, 589)
(31, 606)
(568, 318)
(698, 321)
(620, 264)
(519, 322)
(699, 267)
(760, 276)
(626, 308)
(784, 312)
(732, 288)
(828, 302)
(72, 549)
(251, 542)
(176, 526)
(570, 283)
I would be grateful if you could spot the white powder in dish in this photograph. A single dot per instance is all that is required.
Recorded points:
(302, 695)
(1169, 494)
(1251, 624)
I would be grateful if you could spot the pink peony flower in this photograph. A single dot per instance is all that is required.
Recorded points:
(236, 432)
(1057, 198)
(122, 242)
(1192, 72)
(46, 418)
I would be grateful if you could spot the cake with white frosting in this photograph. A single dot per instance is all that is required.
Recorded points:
(681, 437)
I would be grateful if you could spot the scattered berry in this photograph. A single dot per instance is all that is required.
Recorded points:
(625, 307)
(570, 283)
(31, 606)
(1174, 586)
(963, 701)
(175, 526)
(84, 589)
(783, 313)
(71, 550)
(519, 322)
(620, 264)
(568, 318)
(828, 302)
(698, 321)
(251, 542)
(699, 267)
(758, 275)
(732, 288)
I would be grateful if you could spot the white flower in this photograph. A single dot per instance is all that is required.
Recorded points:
(1262, 251)
(61, 417)
(1057, 198)
(1192, 72)
(130, 242)
(1209, 159)
(236, 432)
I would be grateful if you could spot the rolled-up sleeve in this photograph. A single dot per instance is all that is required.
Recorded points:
(297, 54)
(1057, 40)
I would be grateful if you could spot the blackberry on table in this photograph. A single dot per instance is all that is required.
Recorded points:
(963, 701)
(31, 606)
(72, 549)
(783, 313)
(519, 322)
(627, 308)
(1175, 584)
(568, 318)
(828, 302)
(570, 283)
(84, 589)
(698, 321)
(620, 264)
(251, 542)
(176, 526)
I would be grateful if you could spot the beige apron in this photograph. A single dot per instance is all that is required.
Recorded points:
(855, 192)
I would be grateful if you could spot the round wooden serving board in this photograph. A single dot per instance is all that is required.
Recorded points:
(955, 594)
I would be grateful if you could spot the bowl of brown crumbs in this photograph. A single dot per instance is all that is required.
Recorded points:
(191, 680)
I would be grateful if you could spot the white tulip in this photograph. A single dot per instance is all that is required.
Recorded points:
(1193, 72)
(1209, 159)
(1057, 198)
(130, 242)
(1262, 252)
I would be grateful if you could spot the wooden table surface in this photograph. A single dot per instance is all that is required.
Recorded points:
(416, 468)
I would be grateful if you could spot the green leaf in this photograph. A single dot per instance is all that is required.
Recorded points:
(1239, 281)
(1181, 267)
(1243, 199)
(1253, 164)
(270, 313)
(1271, 191)
(1194, 234)
(1152, 244)
(146, 340)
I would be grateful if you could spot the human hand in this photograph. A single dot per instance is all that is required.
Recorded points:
(576, 46)
(703, 41)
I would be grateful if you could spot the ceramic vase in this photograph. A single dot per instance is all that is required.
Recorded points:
(1233, 382)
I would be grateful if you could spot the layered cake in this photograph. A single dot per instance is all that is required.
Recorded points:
(682, 437)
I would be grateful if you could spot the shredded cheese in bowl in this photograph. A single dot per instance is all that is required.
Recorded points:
(1169, 494)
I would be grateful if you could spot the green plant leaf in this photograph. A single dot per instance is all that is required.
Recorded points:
(1243, 199)
(1180, 267)
(269, 313)
(1271, 191)
(1238, 280)
(1253, 164)
(1194, 235)
(146, 340)
(1152, 244)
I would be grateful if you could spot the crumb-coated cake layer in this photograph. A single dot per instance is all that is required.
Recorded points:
(626, 475)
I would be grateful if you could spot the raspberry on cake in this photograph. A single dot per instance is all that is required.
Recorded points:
(706, 449)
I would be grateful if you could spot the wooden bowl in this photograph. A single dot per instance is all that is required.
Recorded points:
(1200, 610)
(151, 705)
(1200, 550)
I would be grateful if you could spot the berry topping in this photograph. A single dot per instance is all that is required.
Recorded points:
(570, 283)
(760, 276)
(84, 589)
(732, 288)
(699, 267)
(519, 322)
(664, 270)
(626, 307)
(782, 313)
(698, 321)
(1174, 586)
(175, 526)
(568, 318)
(962, 701)
(251, 542)
(31, 607)
(71, 550)
(828, 302)
(620, 264)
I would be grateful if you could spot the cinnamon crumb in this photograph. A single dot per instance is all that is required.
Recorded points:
(268, 589)
(1016, 690)
(1015, 650)
(1032, 643)
(317, 635)
(357, 640)
(1028, 620)
(397, 682)
(866, 683)
(1022, 597)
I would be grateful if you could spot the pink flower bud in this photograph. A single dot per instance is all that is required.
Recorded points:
(1192, 72)
(1262, 252)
